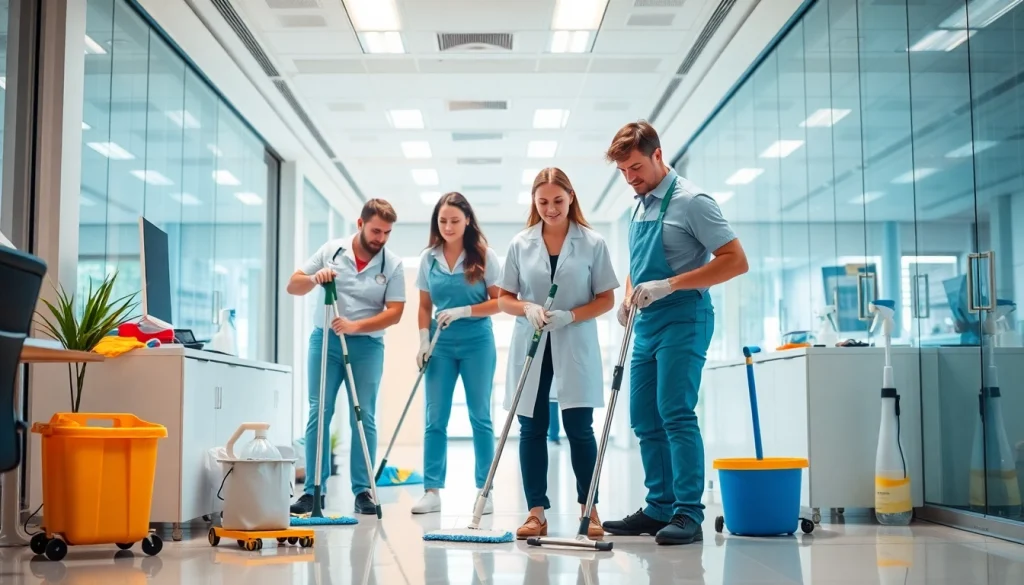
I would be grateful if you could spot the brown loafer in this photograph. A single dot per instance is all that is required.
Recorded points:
(595, 530)
(532, 527)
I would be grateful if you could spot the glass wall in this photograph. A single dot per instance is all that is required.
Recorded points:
(876, 153)
(159, 142)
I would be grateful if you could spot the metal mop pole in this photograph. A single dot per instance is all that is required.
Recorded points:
(481, 499)
(408, 403)
(582, 540)
(330, 294)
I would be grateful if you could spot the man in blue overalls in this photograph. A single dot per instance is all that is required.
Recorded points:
(674, 231)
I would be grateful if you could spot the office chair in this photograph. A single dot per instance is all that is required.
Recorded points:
(21, 276)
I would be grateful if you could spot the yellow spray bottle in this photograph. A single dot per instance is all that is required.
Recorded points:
(893, 504)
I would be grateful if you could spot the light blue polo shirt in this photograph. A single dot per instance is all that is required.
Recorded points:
(359, 294)
(491, 272)
(693, 223)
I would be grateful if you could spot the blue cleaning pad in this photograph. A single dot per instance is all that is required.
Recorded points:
(469, 535)
(396, 476)
(325, 521)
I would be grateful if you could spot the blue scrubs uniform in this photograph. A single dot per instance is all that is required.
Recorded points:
(671, 339)
(466, 348)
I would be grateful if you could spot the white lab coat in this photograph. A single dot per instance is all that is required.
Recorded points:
(584, 270)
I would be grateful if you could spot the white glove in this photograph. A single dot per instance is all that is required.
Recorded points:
(623, 314)
(421, 355)
(558, 319)
(535, 315)
(447, 316)
(647, 293)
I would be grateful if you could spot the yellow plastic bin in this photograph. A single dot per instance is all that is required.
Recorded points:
(97, 481)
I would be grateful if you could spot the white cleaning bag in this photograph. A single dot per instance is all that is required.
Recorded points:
(257, 488)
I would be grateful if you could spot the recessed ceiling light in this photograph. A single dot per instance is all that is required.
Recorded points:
(223, 177)
(430, 197)
(406, 119)
(111, 150)
(971, 148)
(183, 118)
(722, 196)
(578, 14)
(425, 177)
(384, 43)
(93, 48)
(550, 119)
(525, 197)
(416, 149)
(570, 41)
(824, 118)
(782, 148)
(866, 198)
(915, 175)
(186, 199)
(152, 177)
(373, 15)
(529, 175)
(248, 198)
(541, 148)
(743, 176)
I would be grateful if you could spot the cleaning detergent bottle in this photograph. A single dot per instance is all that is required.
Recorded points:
(994, 488)
(258, 449)
(893, 504)
(827, 331)
(224, 340)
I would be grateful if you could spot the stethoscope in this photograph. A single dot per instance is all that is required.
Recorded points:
(380, 278)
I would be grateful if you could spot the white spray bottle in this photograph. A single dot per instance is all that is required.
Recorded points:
(893, 503)
(224, 340)
(827, 328)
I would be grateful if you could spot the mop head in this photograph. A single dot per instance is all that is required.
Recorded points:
(324, 521)
(396, 476)
(469, 535)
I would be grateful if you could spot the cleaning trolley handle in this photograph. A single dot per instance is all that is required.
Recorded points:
(748, 353)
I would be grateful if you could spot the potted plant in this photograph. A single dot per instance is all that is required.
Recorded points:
(100, 316)
(334, 445)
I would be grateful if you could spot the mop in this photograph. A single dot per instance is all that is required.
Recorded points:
(473, 532)
(408, 403)
(317, 518)
(582, 540)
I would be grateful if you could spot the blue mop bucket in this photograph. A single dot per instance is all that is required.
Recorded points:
(761, 497)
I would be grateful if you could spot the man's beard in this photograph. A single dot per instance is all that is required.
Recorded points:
(372, 248)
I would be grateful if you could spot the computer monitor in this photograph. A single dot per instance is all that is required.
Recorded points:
(156, 275)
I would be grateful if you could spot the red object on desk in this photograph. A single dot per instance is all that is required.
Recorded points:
(132, 330)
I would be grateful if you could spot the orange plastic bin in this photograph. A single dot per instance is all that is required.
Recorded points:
(98, 481)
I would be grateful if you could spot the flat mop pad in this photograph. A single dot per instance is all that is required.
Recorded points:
(469, 535)
(395, 476)
(323, 521)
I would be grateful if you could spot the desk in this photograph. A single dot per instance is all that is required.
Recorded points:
(34, 351)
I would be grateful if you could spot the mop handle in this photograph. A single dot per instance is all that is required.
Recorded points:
(748, 353)
(408, 403)
(330, 294)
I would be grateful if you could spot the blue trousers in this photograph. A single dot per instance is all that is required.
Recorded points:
(366, 354)
(665, 373)
(554, 431)
(533, 447)
(475, 359)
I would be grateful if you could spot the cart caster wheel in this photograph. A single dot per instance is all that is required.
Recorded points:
(152, 545)
(56, 549)
(816, 518)
(125, 545)
(719, 524)
(213, 538)
(293, 540)
(250, 545)
(282, 540)
(306, 541)
(241, 544)
(38, 543)
(259, 544)
(806, 525)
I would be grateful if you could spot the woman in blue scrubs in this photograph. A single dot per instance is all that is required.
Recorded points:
(458, 275)
(557, 247)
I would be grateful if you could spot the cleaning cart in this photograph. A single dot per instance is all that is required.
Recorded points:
(97, 482)
(760, 497)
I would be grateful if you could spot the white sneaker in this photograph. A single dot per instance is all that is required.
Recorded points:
(428, 504)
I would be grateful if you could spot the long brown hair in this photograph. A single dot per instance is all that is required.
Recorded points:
(555, 176)
(473, 241)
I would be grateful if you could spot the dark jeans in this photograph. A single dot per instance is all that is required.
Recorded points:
(533, 447)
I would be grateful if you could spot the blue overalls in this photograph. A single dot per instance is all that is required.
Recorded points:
(465, 348)
(671, 339)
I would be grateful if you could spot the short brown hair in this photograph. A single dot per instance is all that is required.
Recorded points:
(633, 136)
(558, 177)
(378, 208)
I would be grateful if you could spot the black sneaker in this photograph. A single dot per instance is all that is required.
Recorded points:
(365, 505)
(305, 505)
(634, 525)
(681, 530)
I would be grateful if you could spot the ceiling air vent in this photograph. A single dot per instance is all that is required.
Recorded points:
(235, 22)
(467, 105)
(301, 21)
(705, 35)
(474, 41)
(658, 3)
(650, 19)
(478, 161)
(475, 136)
(292, 4)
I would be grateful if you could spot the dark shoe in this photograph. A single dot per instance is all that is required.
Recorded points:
(681, 530)
(634, 525)
(365, 505)
(305, 505)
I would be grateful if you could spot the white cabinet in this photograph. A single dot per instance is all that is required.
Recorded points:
(200, 397)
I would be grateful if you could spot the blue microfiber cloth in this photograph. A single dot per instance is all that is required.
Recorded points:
(396, 476)
(325, 521)
(469, 535)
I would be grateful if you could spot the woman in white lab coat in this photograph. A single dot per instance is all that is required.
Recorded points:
(557, 246)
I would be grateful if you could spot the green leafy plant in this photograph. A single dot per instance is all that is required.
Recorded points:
(100, 316)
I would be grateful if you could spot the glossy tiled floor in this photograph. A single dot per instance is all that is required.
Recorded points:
(393, 552)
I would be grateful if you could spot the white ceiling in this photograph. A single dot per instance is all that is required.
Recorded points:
(636, 51)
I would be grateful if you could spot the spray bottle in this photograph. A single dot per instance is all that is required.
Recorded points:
(893, 504)
(224, 340)
(994, 487)
(827, 329)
